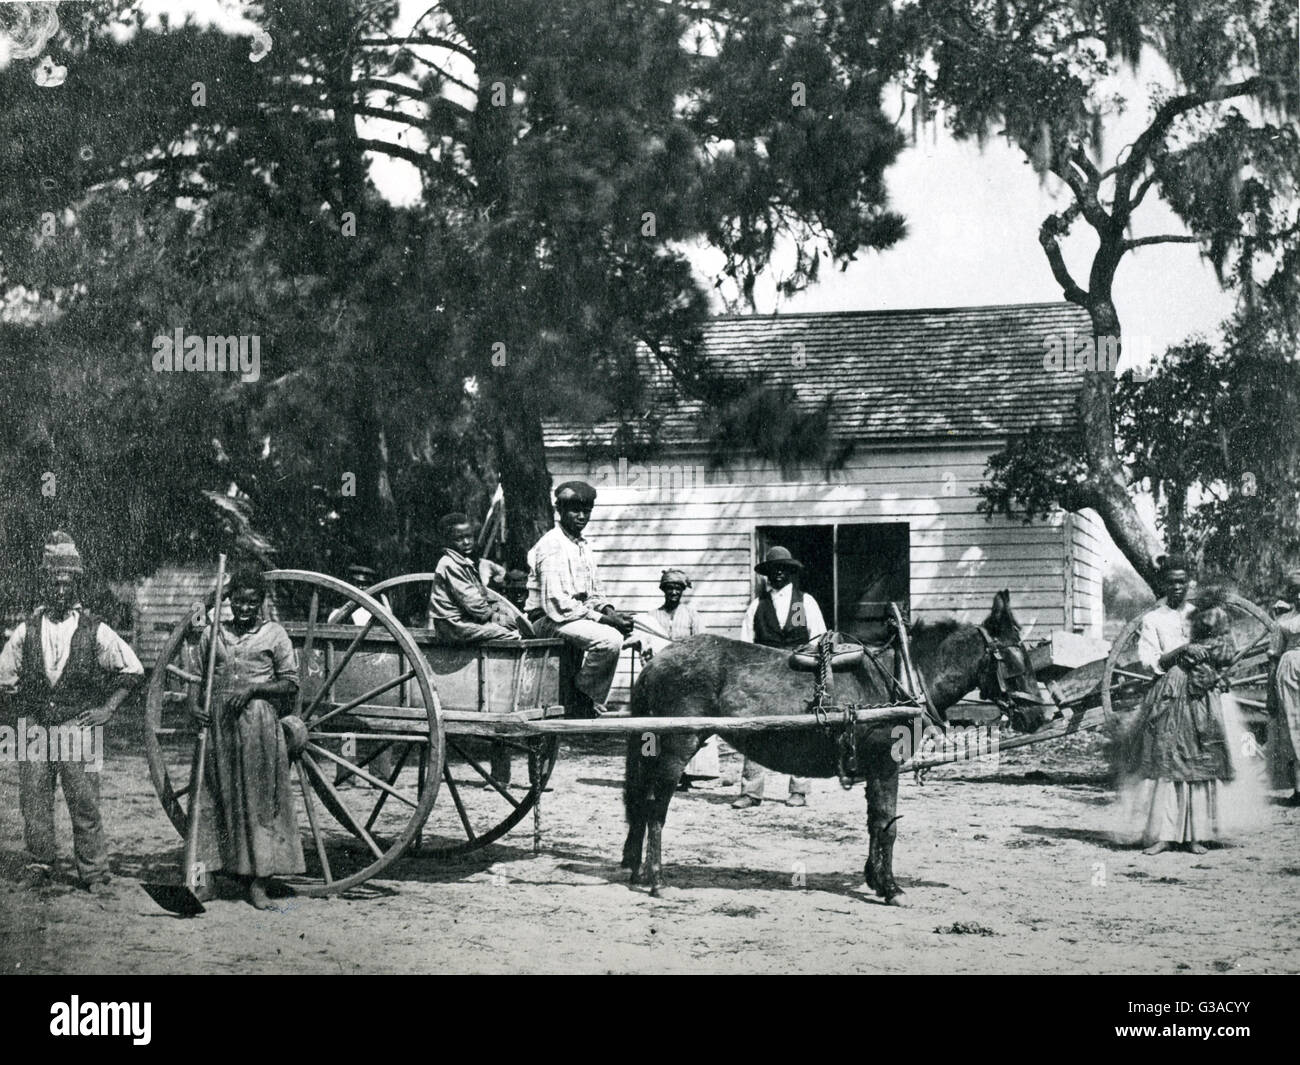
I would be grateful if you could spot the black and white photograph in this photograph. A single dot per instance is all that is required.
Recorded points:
(651, 487)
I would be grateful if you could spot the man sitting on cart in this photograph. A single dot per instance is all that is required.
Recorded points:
(565, 597)
(460, 609)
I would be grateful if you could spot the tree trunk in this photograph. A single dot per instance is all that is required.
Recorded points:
(1108, 485)
(526, 482)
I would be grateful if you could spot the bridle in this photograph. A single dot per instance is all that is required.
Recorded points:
(996, 669)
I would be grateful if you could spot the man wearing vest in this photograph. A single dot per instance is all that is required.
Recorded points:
(781, 616)
(65, 667)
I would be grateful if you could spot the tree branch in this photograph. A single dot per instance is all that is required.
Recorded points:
(1053, 226)
(420, 159)
(1167, 238)
(1165, 117)
(419, 38)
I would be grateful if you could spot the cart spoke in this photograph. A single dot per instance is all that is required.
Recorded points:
(353, 824)
(315, 829)
(305, 657)
(183, 674)
(383, 795)
(365, 697)
(337, 671)
(1135, 676)
(1254, 678)
(460, 806)
(1258, 644)
(483, 773)
(353, 768)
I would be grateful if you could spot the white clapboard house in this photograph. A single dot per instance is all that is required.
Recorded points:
(925, 397)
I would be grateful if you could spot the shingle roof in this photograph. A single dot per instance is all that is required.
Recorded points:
(946, 372)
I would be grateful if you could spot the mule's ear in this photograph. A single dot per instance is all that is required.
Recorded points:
(1001, 603)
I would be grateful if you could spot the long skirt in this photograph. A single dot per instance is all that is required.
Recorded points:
(247, 825)
(1182, 811)
(704, 765)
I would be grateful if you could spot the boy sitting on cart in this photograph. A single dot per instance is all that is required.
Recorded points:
(460, 608)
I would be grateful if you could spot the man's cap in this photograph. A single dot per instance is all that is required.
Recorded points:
(581, 491)
(1293, 580)
(362, 570)
(515, 578)
(61, 555)
(1169, 563)
(777, 557)
(674, 576)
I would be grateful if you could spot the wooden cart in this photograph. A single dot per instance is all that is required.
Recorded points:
(393, 715)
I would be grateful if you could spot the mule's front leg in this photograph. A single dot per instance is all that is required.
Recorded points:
(882, 815)
(632, 848)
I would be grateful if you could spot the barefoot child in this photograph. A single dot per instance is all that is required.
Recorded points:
(1179, 740)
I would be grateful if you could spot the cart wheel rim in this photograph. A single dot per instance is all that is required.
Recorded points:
(1126, 681)
(334, 863)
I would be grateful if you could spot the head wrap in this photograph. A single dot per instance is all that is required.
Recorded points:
(61, 555)
(674, 576)
(581, 491)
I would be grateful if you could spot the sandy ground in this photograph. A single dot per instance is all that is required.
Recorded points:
(1016, 867)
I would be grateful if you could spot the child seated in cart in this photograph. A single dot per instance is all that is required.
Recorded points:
(1180, 742)
(460, 608)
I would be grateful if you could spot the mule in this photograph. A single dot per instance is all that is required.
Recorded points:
(713, 676)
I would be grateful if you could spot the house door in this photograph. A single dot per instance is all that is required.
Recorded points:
(873, 567)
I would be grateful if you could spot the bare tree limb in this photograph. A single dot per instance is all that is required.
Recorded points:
(1051, 247)
(1167, 238)
(419, 38)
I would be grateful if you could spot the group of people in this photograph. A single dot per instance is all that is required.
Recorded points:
(1180, 742)
(61, 665)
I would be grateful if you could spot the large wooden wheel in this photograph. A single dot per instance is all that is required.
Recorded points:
(1126, 681)
(367, 698)
(482, 807)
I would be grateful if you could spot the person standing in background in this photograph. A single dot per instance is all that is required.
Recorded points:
(784, 616)
(1284, 657)
(678, 622)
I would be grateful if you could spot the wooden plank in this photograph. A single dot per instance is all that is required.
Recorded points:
(1083, 721)
(622, 725)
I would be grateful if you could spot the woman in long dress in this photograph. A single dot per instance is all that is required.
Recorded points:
(1180, 742)
(247, 824)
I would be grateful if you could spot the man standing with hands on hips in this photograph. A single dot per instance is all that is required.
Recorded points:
(781, 616)
(65, 667)
(565, 598)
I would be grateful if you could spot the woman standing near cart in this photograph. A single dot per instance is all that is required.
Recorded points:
(1181, 743)
(247, 825)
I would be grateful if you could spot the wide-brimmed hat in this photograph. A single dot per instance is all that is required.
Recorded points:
(777, 556)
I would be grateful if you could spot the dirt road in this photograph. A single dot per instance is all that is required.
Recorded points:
(1022, 867)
